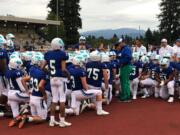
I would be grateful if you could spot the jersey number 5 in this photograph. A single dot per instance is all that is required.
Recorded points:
(52, 67)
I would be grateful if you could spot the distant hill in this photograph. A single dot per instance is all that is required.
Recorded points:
(108, 33)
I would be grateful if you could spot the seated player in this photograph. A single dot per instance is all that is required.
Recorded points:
(3, 67)
(80, 90)
(165, 80)
(17, 92)
(136, 71)
(177, 73)
(110, 68)
(38, 96)
(151, 81)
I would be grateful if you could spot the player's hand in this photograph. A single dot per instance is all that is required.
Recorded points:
(45, 97)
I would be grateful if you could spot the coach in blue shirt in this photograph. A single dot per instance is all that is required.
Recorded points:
(124, 54)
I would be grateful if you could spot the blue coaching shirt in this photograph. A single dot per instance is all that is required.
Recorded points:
(124, 56)
(54, 59)
(95, 73)
(36, 75)
(12, 75)
(76, 74)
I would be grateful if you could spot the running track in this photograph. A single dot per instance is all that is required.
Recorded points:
(141, 117)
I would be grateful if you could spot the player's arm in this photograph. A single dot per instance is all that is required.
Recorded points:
(44, 65)
(176, 74)
(42, 89)
(169, 79)
(114, 72)
(64, 70)
(105, 76)
(84, 83)
(24, 80)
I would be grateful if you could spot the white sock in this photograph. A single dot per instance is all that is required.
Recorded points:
(62, 119)
(99, 105)
(69, 111)
(57, 108)
(1, 114)
(52, 118)
(30, 119)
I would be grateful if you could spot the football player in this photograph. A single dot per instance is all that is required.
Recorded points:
(80, 90)
(166, 81)
(56, 61)
(17, 92)
(38, 96)
(136, 71)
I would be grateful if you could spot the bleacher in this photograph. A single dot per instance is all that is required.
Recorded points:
(25, 31)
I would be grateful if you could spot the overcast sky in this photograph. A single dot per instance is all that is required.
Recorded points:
(96, 14)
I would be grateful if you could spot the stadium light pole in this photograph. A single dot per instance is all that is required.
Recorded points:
(57, 14)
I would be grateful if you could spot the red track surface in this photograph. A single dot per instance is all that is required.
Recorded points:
(141, 117)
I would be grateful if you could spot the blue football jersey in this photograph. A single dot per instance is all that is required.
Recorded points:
(69, 84)
(27, 65)
(3, 56)
(110, 67)
(9, 52)
(76, 74)
(54, 59)
(177, 67)
(172, 64)
(135, 70)
(154, 69)
(48, 85)
(11, 76)
(165, 73)
(95, 73)
(36, 75)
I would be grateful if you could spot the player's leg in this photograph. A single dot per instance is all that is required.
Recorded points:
(38, 111)
(55, 99)
(135, 84)
(170, 87)
(62, 99)
(163, 93)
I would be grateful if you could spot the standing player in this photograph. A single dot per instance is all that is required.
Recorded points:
(56, 61)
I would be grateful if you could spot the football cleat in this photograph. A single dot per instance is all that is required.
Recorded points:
(22, 122)
(170, 100)
(102, 112)
(13, 122)
(53, 123)
(134, 98)
(64, 124)
(145, 96)
(83, 107)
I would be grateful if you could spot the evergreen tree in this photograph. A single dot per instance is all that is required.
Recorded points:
(170, 19)
(149, 36)
(69, 13)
